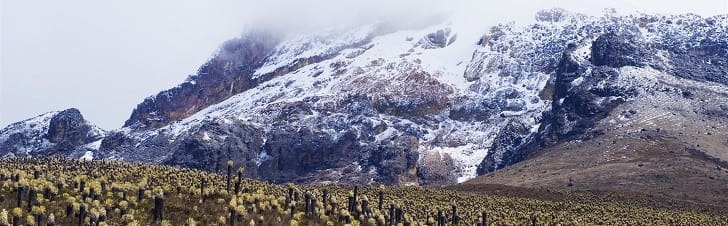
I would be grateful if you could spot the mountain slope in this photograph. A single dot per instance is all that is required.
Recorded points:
(633, 115)
(54, 133)
(434, 105)
(364, 109)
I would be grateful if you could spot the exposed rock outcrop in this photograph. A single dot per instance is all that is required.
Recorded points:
(69, 126)
(55, 133)
(614, 50)
(226, 74)
(599, 72)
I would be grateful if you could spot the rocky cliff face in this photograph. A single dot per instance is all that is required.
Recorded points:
(428, 106)
(55, 133)
(633, 110)
(227, 74)
(330, 108)
(588, 89)
(595, 73)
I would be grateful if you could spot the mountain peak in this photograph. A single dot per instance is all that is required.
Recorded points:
(434, 105)
(58, 132)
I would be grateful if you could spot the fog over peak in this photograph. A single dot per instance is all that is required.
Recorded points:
(316, 15)
(105, 57)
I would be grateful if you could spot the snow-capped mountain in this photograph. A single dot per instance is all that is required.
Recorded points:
(60, 132)
(431, 106)
(635, 109)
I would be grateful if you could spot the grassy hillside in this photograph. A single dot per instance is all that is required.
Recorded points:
(649, 164)
(57, 191)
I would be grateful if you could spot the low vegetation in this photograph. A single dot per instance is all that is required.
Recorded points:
(58, 191)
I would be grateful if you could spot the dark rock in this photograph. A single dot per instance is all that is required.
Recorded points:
(438, 39)
(417, 95)
(706, 62)
(56, 133)
(226, 74)
(206, 150)
(473, 110)
(10, 146)
(114, 140)
(396, 161)
(506, 148)
(69, 126)
(286, 154)
(577, 108)
(294, 154)
(614, 50)
(436, 170)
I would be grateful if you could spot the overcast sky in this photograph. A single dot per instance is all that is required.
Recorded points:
(104, 57)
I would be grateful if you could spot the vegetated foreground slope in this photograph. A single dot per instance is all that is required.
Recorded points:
(64, 192)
